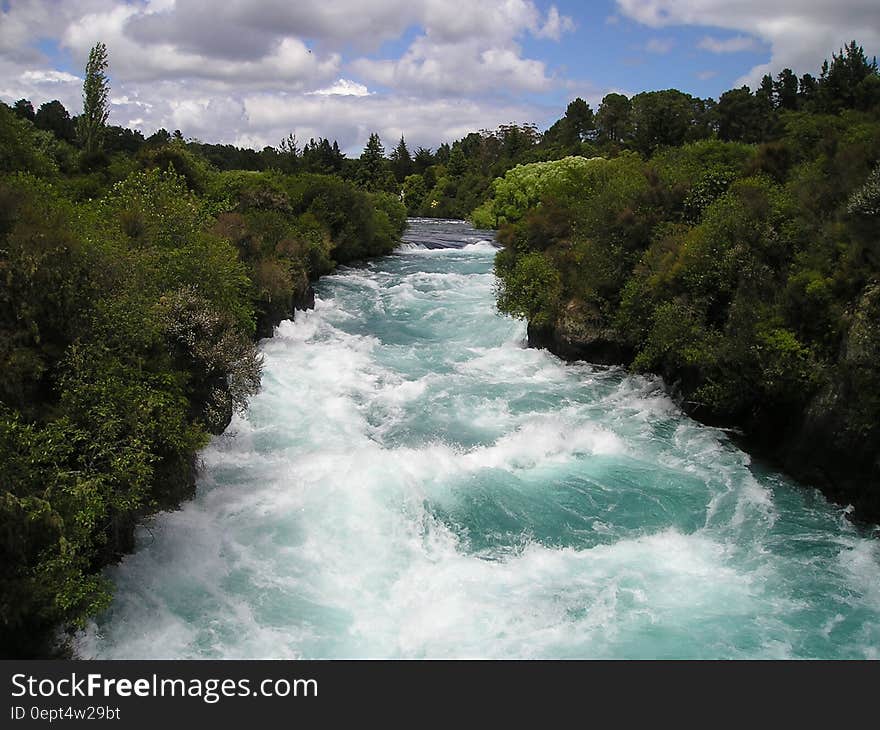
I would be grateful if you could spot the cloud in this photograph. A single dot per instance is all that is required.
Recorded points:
(243, 29)
(49, 77)
(251, 71)
(800, 33)
(737, 44)
(460, 68)
(343, 87)
(659, 45)
(288, 61)
(556, 25)
(471, 48)
(706, 75)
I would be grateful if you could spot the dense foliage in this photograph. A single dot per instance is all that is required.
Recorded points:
(134, 280)
(742, 262)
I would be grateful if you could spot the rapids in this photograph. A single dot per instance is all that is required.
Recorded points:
(411, 481)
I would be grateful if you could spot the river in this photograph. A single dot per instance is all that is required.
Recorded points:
(411, 481)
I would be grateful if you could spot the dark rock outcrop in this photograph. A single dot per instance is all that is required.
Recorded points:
(277, 311)
(837, 443)
(305, 299)
(580, 333)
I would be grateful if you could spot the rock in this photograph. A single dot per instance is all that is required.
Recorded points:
(837, 444)
(305, 299)
(580, 333)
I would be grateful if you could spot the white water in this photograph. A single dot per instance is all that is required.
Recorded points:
(413, 482)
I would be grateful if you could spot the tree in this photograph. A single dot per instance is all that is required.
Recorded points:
(53, 117)
(414, 192)
(121, 139)
(660, 119)
(580, 118)
(441, 156)
(96, 102)
(765, 91)
(289, 146)
(517, 138)
(850, 81)
(456, 166)
(575, 127)
(24, 109)
(785, 90)
(159, 137)
(373, 173)
(808, 91)
(612, 119)
(423, 160)
(288, 153)
(742, 116)
(401, 161)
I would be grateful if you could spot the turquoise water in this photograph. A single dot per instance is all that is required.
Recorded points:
(413, 482)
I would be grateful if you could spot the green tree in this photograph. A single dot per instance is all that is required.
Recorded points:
(54, 118)
(742, 116)
(24, 109)
(850, 81)
(808, 91)
(401, 161)
(457, 164)
(613, 118)
(414, 192)
(96, 102)
(785, 90)
(575, 127)
(373, 173)
(660, 119)
(422, 161)
(581, 119)
(765, 91)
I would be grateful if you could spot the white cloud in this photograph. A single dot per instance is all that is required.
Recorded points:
(556, 25)
(343, 87)
(471, 48)
(737, 44)
(49, 77)
(288, 61)
(659, 45)
(706, 75)
(800, 33)
(251, 71)
(456, 68)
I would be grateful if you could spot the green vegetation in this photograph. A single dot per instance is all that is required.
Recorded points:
(136, 277)
(733, 248)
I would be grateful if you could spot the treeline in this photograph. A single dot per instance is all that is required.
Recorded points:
(135, 277)
(738, 258)
(456, 178)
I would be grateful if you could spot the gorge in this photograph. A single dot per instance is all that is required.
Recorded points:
(413, 481)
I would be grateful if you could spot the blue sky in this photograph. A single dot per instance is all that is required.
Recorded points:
(614, 51)
(251, 72)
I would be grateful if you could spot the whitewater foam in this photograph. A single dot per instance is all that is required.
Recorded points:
(412, 481)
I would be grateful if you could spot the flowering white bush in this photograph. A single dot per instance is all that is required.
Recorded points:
(866, 200)
(225, 360)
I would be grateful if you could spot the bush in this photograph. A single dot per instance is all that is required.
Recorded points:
(530, 287)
